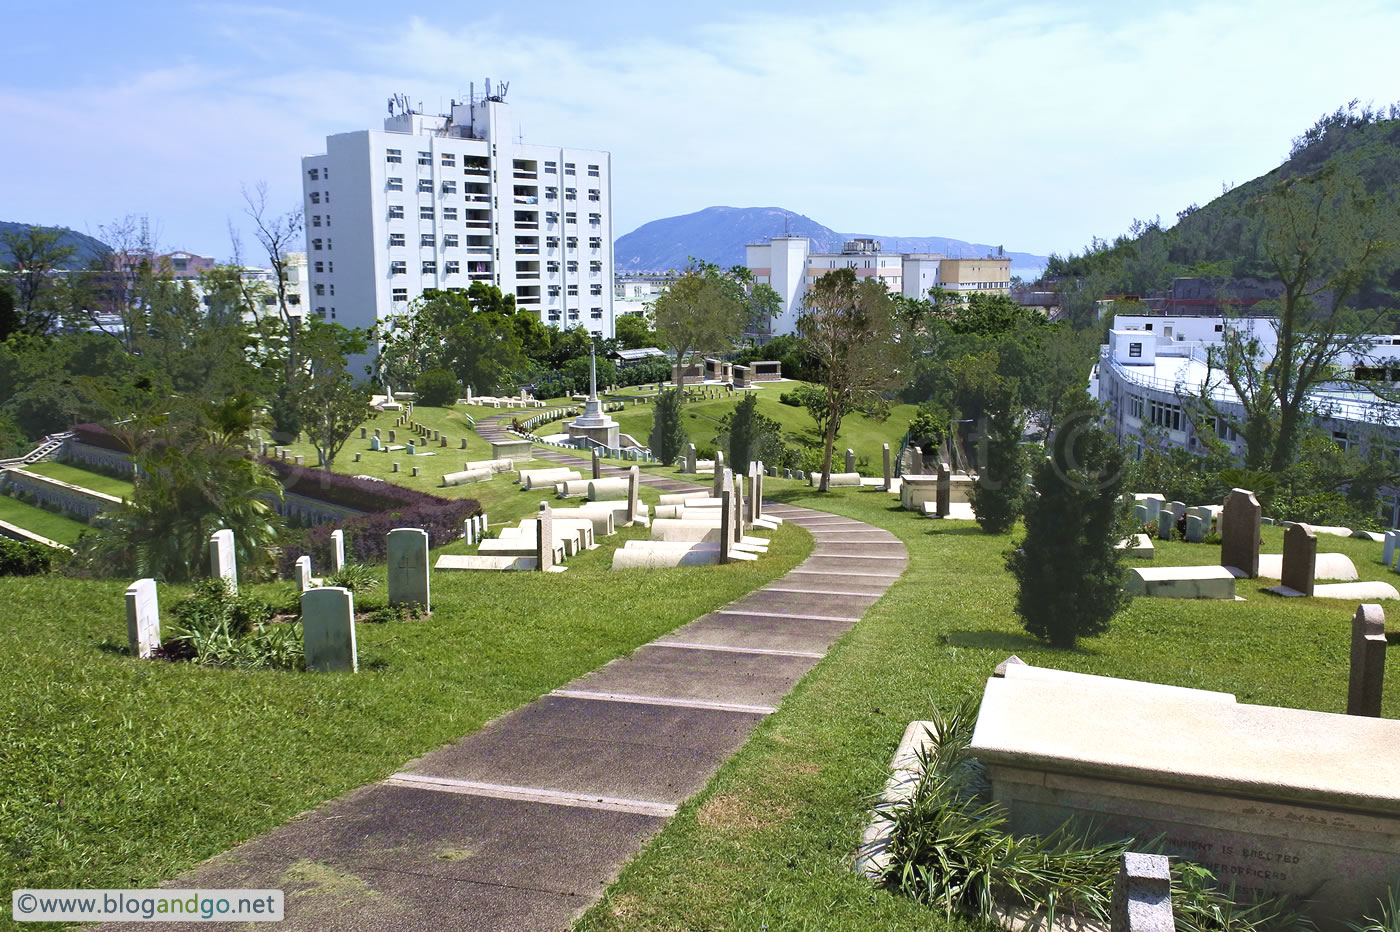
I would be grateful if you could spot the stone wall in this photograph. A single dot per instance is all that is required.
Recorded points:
(88, 455)
(306, 511)
(74, 500)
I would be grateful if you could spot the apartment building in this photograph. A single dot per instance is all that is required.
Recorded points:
(788, 265)
(441, 201)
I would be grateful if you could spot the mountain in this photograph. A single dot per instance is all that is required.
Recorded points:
(719, 234)
(86, 247)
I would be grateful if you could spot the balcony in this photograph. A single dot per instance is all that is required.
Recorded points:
(477, 224)
(478, 250)
(527, 250)
(527, 224)
(527, 200)
(527, 276)
(477, 198)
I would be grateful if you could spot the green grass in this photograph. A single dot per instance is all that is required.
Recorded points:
(55, 527)
(84, 478)
(123, 773)
(769, 842)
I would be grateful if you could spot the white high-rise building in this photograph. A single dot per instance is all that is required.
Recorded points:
(441, 201)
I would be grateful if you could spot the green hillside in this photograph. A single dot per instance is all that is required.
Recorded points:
(85, 248)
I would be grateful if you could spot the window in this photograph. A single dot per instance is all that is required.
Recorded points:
(1339, 437)
(394, 184)
(396, 239)
(398, 267)
(400, 294)
(573, 266)
(328, 197)
(321, 311)
(595, 242)
(595, 219)
(425, 213)
(1135, 406)
(552, 267)
(430, 267)
(449, 160)
(594, 194)
(330, 266)
(395, 211)
(328, 242)
(1223, 430)
(315, 197)
(551, 193)
(573, 291)
(393, 156)
(452, 267)
(570, 217)
(554, 291)
(316, 220)
(320, 289)
(568, 168)
(595, 290)
(596, 313)
(571, 242)
(595, 267)
(449, 239)
(551, 167)
(571, 194)
(1135, 350)
(551, 216)
(425, 158)
(1219, 328)
(1165, 415)
(315, 173)
(427, 239)
(551, 242)
(320, 266)
(593, 171)
(316, 245)
(449, 187)
(328, 219)
(425, 186)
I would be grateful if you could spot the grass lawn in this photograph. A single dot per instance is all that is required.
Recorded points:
(116, 772)
(769, 843)
(46, 523)
(85, 478)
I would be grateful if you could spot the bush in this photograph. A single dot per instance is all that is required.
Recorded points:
(436, 388)
(366, 536)
(1000, 491)
(215, 627)
(668, 437)
(1068, 568)
(25, 558)
(356, 577)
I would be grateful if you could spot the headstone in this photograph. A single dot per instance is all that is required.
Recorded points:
(738, 529)
(408, 566)
(916, 462)
(221, 558)
(726, 519)
(544, 538)
(363, 431)
(944, 497)
(393, 436)
(799, 474)
(394, 468)
(302, 573)
(469, 530)
(634, 481)
(1166, 523)
(719, 472)
(1388, 548)
(376, 433)
(464, 444)
(1195, 529)
(357, 457)
(690, 457)
(1178, 510)
(1141, 514)
(1299, 559)
(888, 472)
(1367, 661)
(374, 445)
(412, 449)
(328, 630)
(142, 618)
(850, 460)
(415, 472)
(1239, 534)
(299, 460)
(1142, 894)
(442, 443)
(337, 550)
(436, 434)
(597, 464)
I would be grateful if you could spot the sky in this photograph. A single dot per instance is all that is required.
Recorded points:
(1033, 125)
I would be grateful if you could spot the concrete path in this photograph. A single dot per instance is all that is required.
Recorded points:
(523, 824)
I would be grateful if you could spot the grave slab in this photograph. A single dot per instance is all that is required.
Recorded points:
(1182, 582)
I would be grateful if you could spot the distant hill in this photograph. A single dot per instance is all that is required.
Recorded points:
(87, 247)
(719, 234)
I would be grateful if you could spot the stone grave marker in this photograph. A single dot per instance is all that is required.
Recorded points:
(544, 538)
(1178, 510)
(1141, 514)
(1195, 529)
(1166, 523)
(363, 431)
(221, 558)
(944, 494)
(408, 567)
(719, 472)
(337, 550)
(328, 630)
(393, 436)
(302, 573)
(374, 445)
(376, 433)
(1367, 661)
(394, 467)
(888, 472)
(299, 460)
(634, 481)
(597, 464)
(464, 444)
(357, 457)
(411, 449)
(850, 460)
(1239, 534)
(726, 519)
(690, 457)
(1142, 894)
(415, 472)
(1299, 559)
(738, 529)
(1388, 547)
(142, 618)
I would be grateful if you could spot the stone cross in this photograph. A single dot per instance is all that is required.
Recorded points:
(597, 464)
(142, 618)
(1239, 534)
(944, 491)
(544, 538)
(634, 480)
(726, 517)
(408, 567)
(1166, 523)
(1367, 661)
(888, 473)
(337, 550)
(1299, 558)
(1142, 900)
(303, 573)
(328, 629)
(690, 457)
(719, 472)
(850, 460)
(221, 558)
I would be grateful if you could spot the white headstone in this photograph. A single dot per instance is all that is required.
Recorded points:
(142, 618)
(634, 479)
(328, 630)
(337, 550)
(221, 559)
(408, 566)
(719, 472)
(544, 538)
(302, 573)
(726, 510)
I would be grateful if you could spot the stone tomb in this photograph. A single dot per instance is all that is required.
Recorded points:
(142, 618)
(328, 630)
(1182, 582)
(1276, 800)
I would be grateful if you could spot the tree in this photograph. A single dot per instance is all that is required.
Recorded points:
(668, 437)
(1068, 567)
(701, 311)
(279, 235)
(36, 256)
(750, 436)
(630, 331)
(436, 388)
(850, 326)
(331, 401)
(1000, 490)
(743, 429)
(1325, 239)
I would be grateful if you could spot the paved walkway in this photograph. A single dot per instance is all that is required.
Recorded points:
(523, 824)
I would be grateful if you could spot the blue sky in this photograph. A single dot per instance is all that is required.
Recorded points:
(1035, 125)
